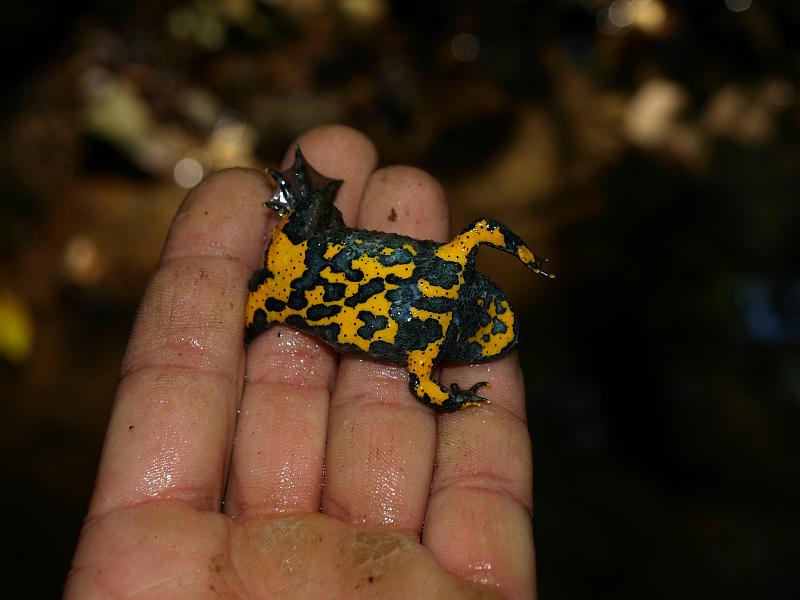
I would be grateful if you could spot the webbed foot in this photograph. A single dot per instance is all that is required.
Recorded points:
(434, 394)
(460, 399)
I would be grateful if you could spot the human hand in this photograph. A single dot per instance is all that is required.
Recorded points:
(193, 502)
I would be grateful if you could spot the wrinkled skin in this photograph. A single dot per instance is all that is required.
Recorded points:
(181, 511)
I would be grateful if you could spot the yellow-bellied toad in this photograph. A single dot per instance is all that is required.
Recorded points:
(393, 298)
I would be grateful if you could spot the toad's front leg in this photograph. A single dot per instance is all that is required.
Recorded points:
(434, 394)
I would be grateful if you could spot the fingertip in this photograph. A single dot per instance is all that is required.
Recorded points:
(405, 200)
(335, 137)
(233, 178)
(217, 218)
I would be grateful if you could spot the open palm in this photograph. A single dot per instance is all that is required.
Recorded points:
(284, 471)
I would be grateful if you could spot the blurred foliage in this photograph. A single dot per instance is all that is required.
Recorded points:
(648, 146)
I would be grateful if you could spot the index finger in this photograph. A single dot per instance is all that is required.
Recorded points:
(171, 427)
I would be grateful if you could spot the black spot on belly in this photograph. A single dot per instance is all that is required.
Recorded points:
(342, 263)
(486, 337)
(372, 324)
(329, 333)
(333, 291)
(259, 324)
(399, 256)
(259, 277)
(437, 305)
(444, 273)
(498, 326)
(296, 321)
(354, 275)
(394, 279)
(297, 300)
(274, 305)
(416, 334)
(322, 311)
(369, 289)
(381, 349)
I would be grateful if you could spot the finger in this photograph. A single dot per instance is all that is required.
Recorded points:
(380, 439)
(174, 411)
(280, 439)
(479, 516)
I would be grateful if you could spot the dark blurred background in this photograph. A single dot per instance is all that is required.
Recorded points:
(649, 147)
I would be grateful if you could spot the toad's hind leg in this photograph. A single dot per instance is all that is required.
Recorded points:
(434, 394)
(463, 248)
